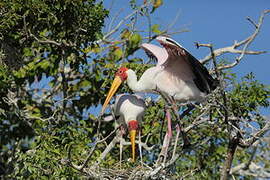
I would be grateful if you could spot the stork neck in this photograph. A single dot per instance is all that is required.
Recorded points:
(132, 81)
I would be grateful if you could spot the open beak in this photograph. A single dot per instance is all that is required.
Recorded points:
(132, 136)
(116, 83)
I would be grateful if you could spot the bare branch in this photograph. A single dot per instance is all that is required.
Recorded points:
(144, 145)
(232, 49)
(108, 148)
(229, 158)
(44, 41)
(253, 170)
(255, 136)
(116, 28)
(229, 49)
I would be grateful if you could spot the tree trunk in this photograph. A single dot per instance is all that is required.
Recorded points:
(230, 153)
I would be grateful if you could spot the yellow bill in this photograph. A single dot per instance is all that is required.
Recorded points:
(116, 83)
(132, 136)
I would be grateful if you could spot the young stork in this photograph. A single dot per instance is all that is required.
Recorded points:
(129, 111)
(177, 74)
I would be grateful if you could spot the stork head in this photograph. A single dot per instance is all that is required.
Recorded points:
(132, 128)
(120, 76)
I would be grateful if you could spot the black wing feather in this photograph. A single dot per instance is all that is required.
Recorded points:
(203, 80)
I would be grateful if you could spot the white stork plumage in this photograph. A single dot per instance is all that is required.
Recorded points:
(129, 111)
(177, 74)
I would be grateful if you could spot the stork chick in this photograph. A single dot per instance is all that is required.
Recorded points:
(130, 110)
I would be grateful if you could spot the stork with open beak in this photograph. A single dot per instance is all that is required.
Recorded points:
(129, 111)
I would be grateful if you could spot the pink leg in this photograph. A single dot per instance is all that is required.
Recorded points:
(176, 140)
(169, 125)
(122, 130)
(167, 138)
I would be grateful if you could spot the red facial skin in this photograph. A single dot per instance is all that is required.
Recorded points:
(122, 73)
(133, 125)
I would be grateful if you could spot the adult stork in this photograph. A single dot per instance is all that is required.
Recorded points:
(177, 74)
(129, 111)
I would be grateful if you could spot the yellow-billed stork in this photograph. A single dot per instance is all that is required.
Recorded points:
(177, 74)
(129, 110)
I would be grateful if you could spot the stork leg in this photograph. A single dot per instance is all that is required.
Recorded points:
(140, 147)
(179, 118)
(167, 138)
(122, 132)
(186, 141)
(169, 121)
(176, 140)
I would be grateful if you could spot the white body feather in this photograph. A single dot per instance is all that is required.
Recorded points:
(129, 107)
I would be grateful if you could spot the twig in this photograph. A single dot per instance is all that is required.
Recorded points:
(116, 28)
(251, 157)
(190, 173)
(232, 49)
(218, 74)
(254, 170)
(44, 41)
(108, 149)
(173, 21)
(144, 145)
(255, 136)
(104, 139)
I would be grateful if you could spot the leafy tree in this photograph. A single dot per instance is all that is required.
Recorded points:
(56, 65)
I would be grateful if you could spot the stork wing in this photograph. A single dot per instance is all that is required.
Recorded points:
(203, 80)
(133, 99)
(159, 53)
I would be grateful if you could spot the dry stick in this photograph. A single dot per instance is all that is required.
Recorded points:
(233, 142)
(198, 120)
(248, 41)
(255, 136)
(116, 28)
(251, 157)
(149, 24)
(155, 171)
(218, 74)
(108, 148)
(232, 48)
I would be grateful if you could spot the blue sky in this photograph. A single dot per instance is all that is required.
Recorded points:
(216, 22)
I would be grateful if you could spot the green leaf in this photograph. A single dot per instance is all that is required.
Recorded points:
(118, 53)
(155, 29)
(135, 39)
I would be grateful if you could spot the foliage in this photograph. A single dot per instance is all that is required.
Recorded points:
(57, 65)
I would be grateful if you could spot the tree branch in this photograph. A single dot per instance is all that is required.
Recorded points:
(233, 48)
